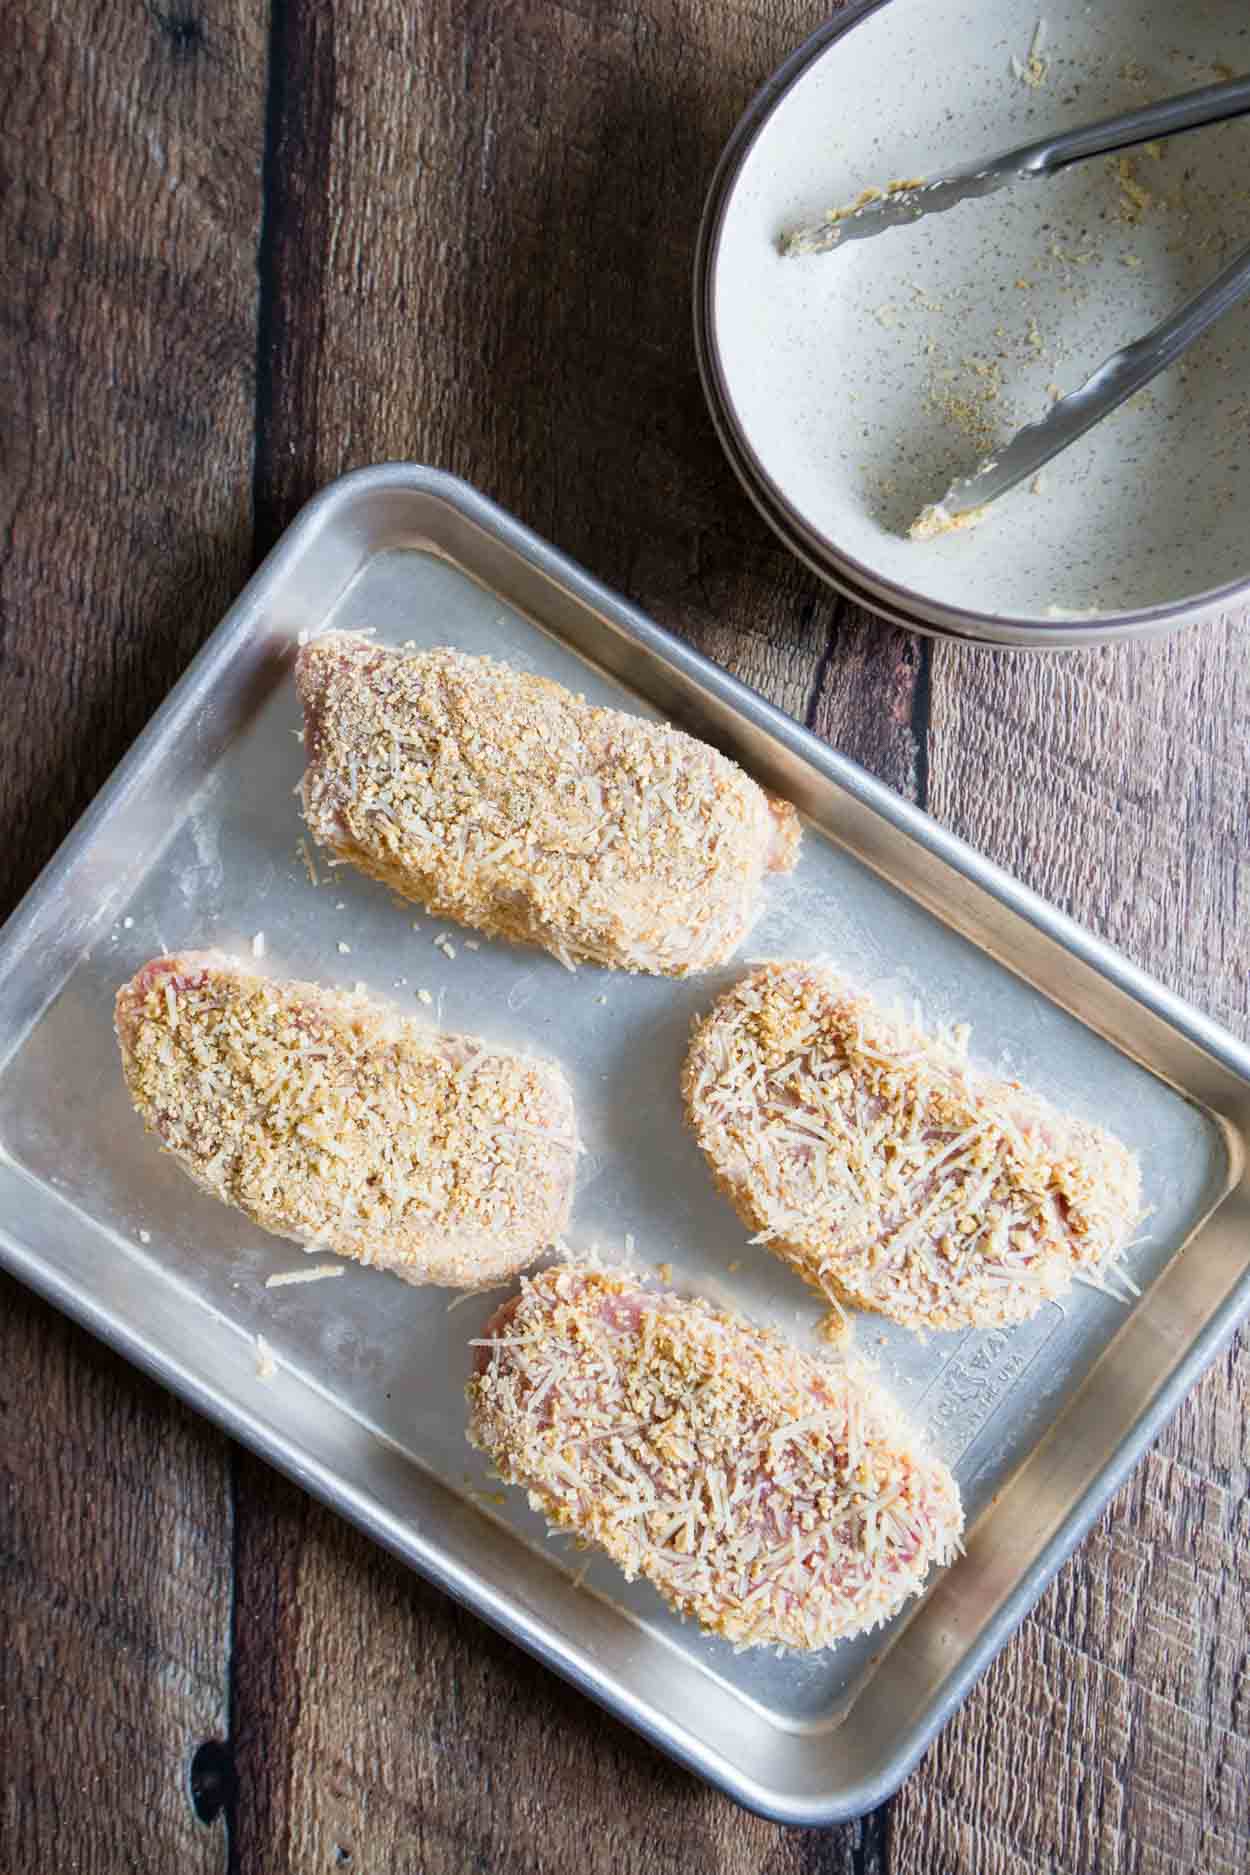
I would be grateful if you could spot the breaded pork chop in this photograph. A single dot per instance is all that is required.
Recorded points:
(506, 803)
(776, 1498)
(888, 1171)
(332, 1119)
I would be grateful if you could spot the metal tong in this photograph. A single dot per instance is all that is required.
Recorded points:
(1119, 376)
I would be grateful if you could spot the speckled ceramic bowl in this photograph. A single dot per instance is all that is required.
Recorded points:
(850, 388)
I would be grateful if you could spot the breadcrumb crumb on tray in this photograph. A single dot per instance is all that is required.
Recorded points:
(285, 1279)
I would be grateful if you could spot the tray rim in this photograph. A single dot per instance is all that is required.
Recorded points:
(364, 1507)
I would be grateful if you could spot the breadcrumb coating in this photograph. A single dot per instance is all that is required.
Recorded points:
(888, 1171)
(502, 801)
(778, 1499)
(332, 1119)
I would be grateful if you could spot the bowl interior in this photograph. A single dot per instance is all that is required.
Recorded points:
(863, 381)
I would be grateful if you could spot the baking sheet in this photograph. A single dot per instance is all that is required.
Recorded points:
(227, 859)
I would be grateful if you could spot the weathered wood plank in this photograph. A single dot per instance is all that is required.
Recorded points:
(114, 1604)
(270, 1523)
(484, 262)
(1116, 783)
(131, 141)
(1114, 1733)
(426, 1742)
(871, 699)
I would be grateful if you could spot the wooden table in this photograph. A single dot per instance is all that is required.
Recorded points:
(248, 245)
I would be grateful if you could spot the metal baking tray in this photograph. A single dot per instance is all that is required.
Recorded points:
(197, 839)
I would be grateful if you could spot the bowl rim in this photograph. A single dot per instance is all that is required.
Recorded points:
(903, 605)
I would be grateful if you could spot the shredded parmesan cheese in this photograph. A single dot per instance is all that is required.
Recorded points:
(334, 1120)
(888, 1171)
(500, 801)
(282, 1279)
(780, 1500)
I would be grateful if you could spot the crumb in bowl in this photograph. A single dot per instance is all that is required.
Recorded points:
(935, 520)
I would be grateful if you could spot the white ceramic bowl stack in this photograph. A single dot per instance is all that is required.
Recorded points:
(850, 388)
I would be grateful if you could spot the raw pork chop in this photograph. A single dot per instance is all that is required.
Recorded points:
(888, 1171)
(778, 1499)
(332, 1119)
(503, 801)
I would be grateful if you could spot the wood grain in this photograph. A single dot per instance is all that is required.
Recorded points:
(495, 266)
(114, 1604)
(425, 1742)
(1115, 782)
(1136, 757)
(130, 142)
(478, 228)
